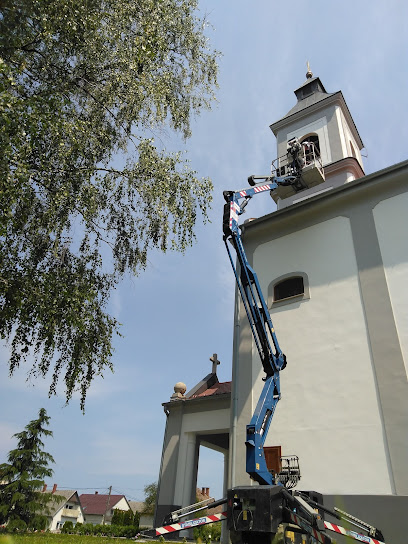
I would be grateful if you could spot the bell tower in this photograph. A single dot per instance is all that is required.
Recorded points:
(323, 119)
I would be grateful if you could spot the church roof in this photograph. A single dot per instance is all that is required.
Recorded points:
(307, 101)
(219, 388)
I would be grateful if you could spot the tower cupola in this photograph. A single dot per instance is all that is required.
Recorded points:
(312, 86)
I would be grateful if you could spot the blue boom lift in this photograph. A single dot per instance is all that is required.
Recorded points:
(273, 360)
(254, 513)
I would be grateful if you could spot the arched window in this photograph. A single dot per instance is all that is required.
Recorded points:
(293, 287)
(290, 287)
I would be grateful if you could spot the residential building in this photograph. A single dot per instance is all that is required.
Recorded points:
(146, 518)
(60, 511)
(98, 508)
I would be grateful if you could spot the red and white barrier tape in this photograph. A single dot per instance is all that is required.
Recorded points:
(352, 534)
(191, 523)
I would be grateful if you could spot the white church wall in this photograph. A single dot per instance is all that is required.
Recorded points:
(350, 139)
(329, 410)
(339, 120)
(326, 123)
(390, 218)
(214, 421)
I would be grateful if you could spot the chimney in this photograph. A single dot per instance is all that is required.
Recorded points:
(54, 488)
(207, 491)
(44, 488)
(203, 491)
(96, 492)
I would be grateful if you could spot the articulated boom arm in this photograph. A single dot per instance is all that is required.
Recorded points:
(272, 358)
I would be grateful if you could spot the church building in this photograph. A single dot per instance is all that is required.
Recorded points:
(332, 262)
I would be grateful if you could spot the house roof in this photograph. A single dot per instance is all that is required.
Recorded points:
(203, 494)
(54, 505)
(99, 504)
(136, 506)
(219, 388)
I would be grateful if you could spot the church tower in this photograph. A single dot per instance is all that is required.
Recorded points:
(323, 119)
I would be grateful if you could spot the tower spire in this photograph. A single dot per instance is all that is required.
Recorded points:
(309, 73)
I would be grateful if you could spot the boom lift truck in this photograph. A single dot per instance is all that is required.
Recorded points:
(254, 513)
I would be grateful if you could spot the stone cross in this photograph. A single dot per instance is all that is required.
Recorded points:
(215, 362)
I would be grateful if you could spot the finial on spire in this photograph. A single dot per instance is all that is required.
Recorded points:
(309, 73)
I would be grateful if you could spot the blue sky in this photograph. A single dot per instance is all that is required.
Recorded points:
(179, 311)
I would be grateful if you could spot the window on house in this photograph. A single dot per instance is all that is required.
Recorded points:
(287, 288)
(273, 456)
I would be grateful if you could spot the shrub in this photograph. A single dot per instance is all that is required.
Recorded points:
(16, 526)
(98, 530)
(86, 529)
(127, 531)
(117, 518)
(130, 531)
(68, 527)
(128, 517)
(39, 523)
(207, 533)
(125, 517)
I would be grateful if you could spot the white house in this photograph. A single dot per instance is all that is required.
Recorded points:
(61, 511)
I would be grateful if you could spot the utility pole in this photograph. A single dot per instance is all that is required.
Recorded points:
(107, 504)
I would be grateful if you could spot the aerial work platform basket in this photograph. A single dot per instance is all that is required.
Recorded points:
(306, 164)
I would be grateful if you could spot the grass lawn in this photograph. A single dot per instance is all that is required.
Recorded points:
(51, 538)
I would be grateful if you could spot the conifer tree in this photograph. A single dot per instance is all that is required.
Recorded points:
(22, 478)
